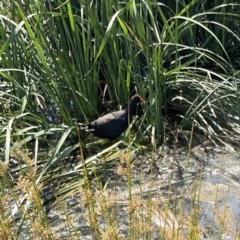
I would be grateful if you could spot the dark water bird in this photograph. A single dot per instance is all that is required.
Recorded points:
(112, 125)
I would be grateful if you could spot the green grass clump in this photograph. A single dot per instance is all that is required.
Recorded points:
(65, 63)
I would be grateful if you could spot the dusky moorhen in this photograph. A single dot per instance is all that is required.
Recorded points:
(112, 125)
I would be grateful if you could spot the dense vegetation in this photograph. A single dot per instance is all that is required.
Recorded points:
(62, 62)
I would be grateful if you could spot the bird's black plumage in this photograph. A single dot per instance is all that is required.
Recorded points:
(112, 125)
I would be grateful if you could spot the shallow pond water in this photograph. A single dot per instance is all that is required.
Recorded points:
(192, 193)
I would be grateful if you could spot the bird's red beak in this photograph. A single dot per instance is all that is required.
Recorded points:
(141, 99)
